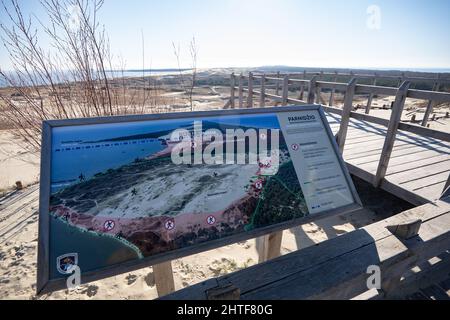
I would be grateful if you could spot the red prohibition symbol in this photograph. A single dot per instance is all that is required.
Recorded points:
(169, 224)
(295, 147)
(211, 220)
(109, 225)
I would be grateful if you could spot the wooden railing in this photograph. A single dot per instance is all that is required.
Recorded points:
(339, 267)
(309, 91)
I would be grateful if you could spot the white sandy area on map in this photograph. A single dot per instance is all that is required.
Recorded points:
(159, 194)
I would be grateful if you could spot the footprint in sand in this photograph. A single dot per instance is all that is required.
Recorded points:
(150, 279)
(90, 291)
(131, 278)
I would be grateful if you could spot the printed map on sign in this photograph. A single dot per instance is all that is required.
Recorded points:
(118, 193)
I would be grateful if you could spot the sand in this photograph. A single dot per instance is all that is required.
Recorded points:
(15, 163)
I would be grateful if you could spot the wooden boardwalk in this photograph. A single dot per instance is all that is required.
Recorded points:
(419, 166)
(338, 268)
(410, 161)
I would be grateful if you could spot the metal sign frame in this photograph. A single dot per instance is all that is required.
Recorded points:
(45, 284)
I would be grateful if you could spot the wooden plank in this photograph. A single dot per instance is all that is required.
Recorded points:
(375, 147)
(415, 174)
(241, 92)
(312, 90)
(348, 105)
(432, 192)
(285, 90)
(269, 246)
(438, 97)
(366, 162)
(250, 91)
(333, 91)
(164, 278)
(435, 292)
(369, 101)
(432, 177)
(277, 90)
(433, 238)
(410, 162)
(232, 88)
(391, 133)
(403, 126)
(302, 87)
(357, 155)
(430, 106)
(276, 270)
(446, 189)
(348, 269)
(262, 96)
(367, 89)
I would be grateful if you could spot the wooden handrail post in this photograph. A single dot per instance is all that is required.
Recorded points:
(391, 133)
(318, 89)
(164, 278)
(232, 84)
(284, 99)
(446, 191)
(312, 90)
(302, 87)
(369, 101)
(262, 96)
(333, 91)
(346, 111)
(430, 107)
(269, 246)
(250, 91)
(241, 92)
(277, 89)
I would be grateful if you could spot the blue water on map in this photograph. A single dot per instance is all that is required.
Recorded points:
(69, 161)
(65, 239)
(90, 149)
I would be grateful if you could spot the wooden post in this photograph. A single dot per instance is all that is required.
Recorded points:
(250, 91)
(233, 84)
(317, 95)
(312, 89)
(429, 108)
(164, 278)
(333, 91)
(241, 92)
(369, 101)
(277, 89)
(391, 133)
(284, 99)
(262, 97)
(269, 246)
(346, 111)
(446, 191)
(302, 88)
(318, 89)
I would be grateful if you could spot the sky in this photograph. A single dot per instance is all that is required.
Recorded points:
(250, 33)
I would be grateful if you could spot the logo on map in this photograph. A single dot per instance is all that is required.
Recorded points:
(66, 263)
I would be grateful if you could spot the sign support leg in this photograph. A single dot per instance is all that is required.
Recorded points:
(164, 278)
(269, 246)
